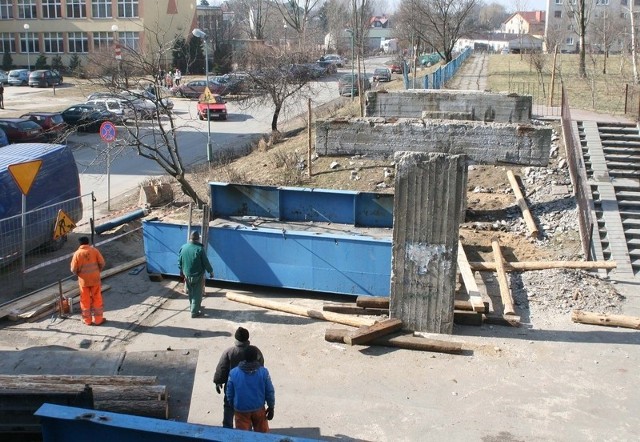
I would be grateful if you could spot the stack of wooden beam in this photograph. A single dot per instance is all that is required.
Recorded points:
(22, 395)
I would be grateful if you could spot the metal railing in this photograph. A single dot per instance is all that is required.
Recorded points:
(438, 78)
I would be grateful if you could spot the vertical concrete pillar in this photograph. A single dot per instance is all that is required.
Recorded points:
(429, 192)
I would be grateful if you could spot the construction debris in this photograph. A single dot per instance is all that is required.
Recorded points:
(367, 334)
(505, 293)
(543, 265)
(522, 203)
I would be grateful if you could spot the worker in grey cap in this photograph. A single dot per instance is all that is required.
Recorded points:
(193, 262)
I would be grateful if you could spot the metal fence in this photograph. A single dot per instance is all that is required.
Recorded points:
(546, 101)
(586, 212)
(38, 236)
(438, 78)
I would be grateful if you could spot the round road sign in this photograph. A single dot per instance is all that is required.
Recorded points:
(108, 131)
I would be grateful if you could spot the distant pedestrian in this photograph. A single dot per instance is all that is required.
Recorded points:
(1, 95)
(193, 262)
(168, 81)
(87, 262)
(249, 387)
(177, 76)
(229, 360)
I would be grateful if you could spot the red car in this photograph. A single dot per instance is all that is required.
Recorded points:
(22, 130)
(397, 68)
(212, 106)
(52, 123)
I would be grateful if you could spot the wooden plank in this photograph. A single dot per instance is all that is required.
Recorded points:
(505, 293)
(508, 320)
(103, 392)
(469, 280)
(461, 304)
(156, 409)
(351, 309)
(543, 265)
(353, 321)
(372, 301)
(45, 307)
(402, 341)
(522, 203)
(583, 317)
(369, 333)
(80, 379)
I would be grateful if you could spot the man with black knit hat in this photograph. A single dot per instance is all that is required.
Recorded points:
(229, 360)
(249, 387)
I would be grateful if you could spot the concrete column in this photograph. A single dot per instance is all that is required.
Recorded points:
(429, 192)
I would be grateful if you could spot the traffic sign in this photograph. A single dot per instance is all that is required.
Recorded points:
(108, 131)
(24, 174)
(207, 97)
(64, 225)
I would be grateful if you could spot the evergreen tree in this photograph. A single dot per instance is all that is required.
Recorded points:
(41, 62)
(75, 65)
(56, 63)
(7, 61)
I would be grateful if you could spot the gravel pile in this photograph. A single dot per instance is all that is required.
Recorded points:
(559, 291)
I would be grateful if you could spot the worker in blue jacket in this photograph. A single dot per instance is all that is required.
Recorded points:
(249, 387)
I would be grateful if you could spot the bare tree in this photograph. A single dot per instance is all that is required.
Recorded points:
(276, 76)
(631, 13)
(256, 14)
(438, 23)
(579, 11)
(606, 30)
(297, 14)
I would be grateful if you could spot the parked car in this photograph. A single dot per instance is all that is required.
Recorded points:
(334, 58)
(329, 67)
(3, 138)
(4, 77)
(233, 83)
(212, 107)
(349, 83)
(19, 77)
(87, 117)
(144, 109)
(121, 108)
(22, 130)
(381, 74)
(195, 88)
(45, 78)
(398, 67)
(165, 104)
(52, 123)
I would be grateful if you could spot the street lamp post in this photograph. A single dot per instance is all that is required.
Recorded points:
(350, 31)
(199, 33)
(26, 28)
(116, 46)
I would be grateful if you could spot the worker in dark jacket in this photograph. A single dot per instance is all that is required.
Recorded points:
(229, 360)
(193, 262)
(249, 387)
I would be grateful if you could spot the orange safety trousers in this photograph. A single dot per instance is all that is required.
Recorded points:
(91, 304)
(252, 419)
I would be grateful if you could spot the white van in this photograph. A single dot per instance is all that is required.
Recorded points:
(121, 108)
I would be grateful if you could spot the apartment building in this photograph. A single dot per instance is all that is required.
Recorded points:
(29, 28)
(607, 30)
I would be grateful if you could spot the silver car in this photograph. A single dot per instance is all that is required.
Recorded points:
(4, 77)
(19, 77)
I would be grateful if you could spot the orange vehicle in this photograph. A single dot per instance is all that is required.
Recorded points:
(211, 106)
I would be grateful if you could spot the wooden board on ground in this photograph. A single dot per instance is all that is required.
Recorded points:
(378, 330)
(80, 379)
(606, 320)
(475, 298)
(372, 301)
(543, 265)
(46, 306)
(401, 341)
(352, 309)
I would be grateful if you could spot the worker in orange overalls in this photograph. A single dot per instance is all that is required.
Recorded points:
(87, 263)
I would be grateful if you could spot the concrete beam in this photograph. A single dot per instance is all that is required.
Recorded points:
(484, 143)
(450, 104)
(429, 193)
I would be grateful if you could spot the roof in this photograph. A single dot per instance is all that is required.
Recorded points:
(531, 17)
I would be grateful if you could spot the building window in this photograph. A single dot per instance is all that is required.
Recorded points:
(6, 9)
(101, 9)
(558, 2)
(557, 14)
(51, 9)
(53, 42)
(569, 41)
(32, 45)
(602, 2)
(76, 9)
(102, 40)
(27, 9)
(130, 40)
(127, 8)
(7, 42)
(78, 42)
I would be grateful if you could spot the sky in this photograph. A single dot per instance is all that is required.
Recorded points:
(532, 5)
